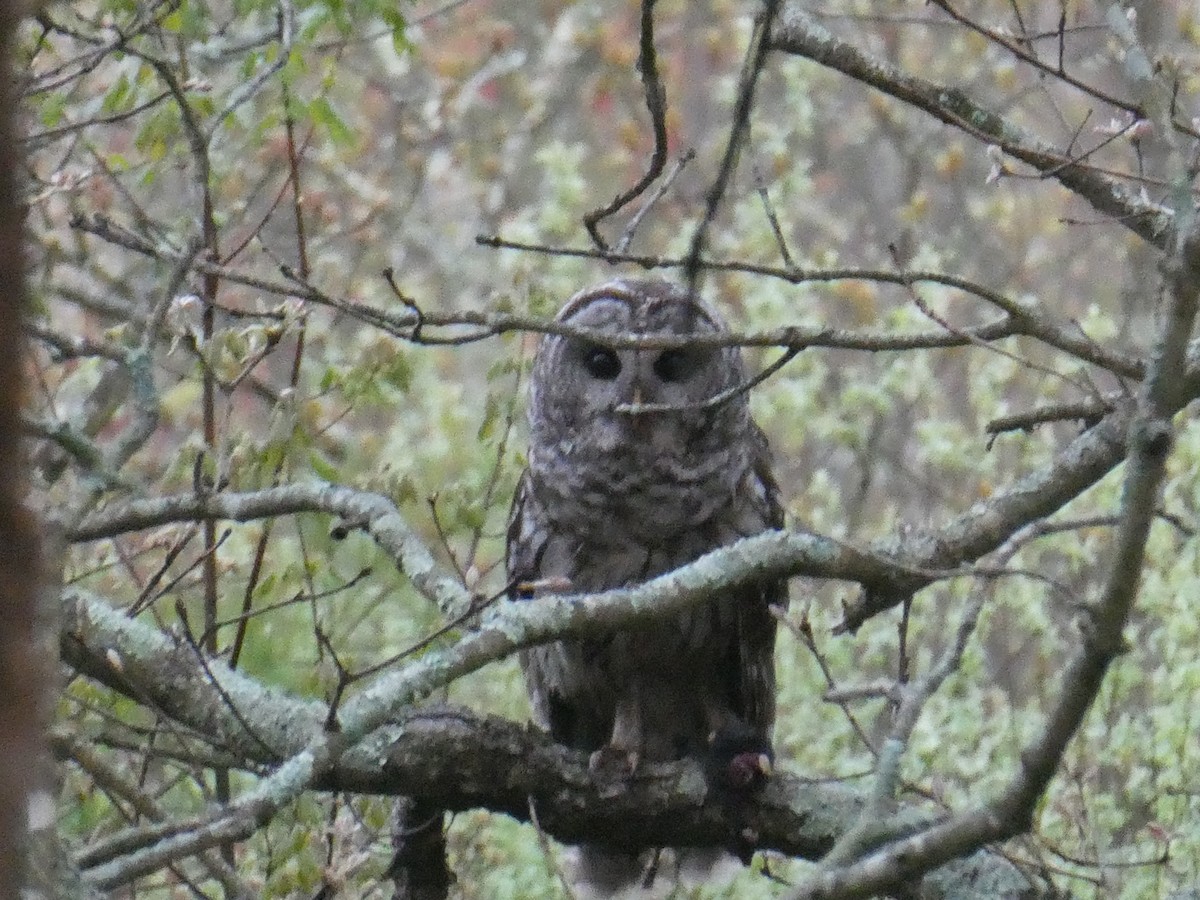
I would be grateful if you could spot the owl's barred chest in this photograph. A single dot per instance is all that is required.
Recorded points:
(620, 560)
(634, 546)
(641, 501)
(669, 658)
(619, 538)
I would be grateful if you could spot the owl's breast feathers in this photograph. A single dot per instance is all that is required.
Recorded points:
(690, 674)
(645, 495)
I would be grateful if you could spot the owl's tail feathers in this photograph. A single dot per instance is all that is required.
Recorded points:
(598, 872)
(705, 865)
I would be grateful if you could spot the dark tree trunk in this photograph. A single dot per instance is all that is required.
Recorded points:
(21, 668)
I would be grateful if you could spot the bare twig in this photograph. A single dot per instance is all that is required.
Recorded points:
(656, 104)
(797, 33)
(756, 57)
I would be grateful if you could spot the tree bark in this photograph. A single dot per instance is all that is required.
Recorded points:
(21, 667)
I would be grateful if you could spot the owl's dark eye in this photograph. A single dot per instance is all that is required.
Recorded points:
(601, 362)
(674, 365)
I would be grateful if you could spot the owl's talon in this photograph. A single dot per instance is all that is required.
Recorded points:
(609, 763)
(739, 760)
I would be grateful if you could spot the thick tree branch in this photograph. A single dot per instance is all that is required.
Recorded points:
(458, 760)
(988, 524)
(25, 673)
(888, 570)
(507, 628)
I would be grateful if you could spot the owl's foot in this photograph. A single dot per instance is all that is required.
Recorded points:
(612, 764)
(739, 760)
(617, 760)
(738, 765)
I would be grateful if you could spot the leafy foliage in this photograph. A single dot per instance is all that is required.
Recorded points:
(214, 190)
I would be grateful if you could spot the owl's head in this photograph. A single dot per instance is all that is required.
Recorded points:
(583, 378)
(605, 413)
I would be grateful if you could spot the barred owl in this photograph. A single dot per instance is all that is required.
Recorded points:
(613, 497)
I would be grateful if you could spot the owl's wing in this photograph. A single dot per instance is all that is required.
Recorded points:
(526, 540)
(753, 670)
(527, 537)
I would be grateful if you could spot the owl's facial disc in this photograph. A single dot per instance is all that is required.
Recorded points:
(599, 390)
(620, 418)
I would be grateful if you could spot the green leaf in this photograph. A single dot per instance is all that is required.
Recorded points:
(117, 95)
(491, 413)
(322, 114)
(323, 467)
(52, 108)
(399, 26)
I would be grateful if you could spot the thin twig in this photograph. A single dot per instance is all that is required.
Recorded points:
(756, 57)
(626, 238)
(656, 104)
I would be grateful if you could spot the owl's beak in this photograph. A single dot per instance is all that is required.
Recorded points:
(637, 395)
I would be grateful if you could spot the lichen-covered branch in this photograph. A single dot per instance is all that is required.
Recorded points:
(798, 34)
(453, 758)
(888, 570)
(373, 513)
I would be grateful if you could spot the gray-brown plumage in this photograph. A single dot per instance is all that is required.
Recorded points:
(613, 497)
